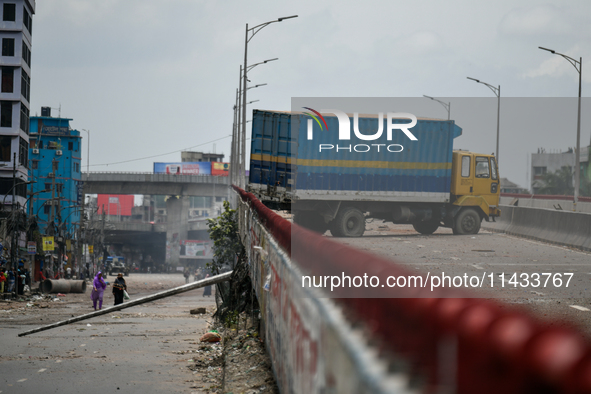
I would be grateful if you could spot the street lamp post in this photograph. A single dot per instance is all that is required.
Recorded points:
(447, 106)
(497, 92)
(579, 69)
(252, 31)
(236, 134)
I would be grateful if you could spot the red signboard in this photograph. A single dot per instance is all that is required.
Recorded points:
(115, 204)
(220, 169)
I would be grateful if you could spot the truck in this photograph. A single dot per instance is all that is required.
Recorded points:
(117, 264)
(336, 181)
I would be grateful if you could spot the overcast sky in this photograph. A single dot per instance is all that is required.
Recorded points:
(148, 77)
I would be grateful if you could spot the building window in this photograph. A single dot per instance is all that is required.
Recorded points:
(8, 47)
(27, 20)
(26, 54)
(70, 145)
(46, 209)
(23, 153)
(7, 187)
(25, 85)
(7, 79)
(5, 114)
(59, 187)
(539, 171)
(9, 12)
(76, 167)
(47, 187)
(35, 164)
(24, 118)
(219, 199)
(5, 147)
(40, 144)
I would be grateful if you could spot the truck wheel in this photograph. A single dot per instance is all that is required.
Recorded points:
(426, 228)
(349, 222)
(310, 220)
(467, 222)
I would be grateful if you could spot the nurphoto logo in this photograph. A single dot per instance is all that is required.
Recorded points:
(344, 130)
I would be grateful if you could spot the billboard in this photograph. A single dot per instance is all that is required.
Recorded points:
(186, 168)
(220, 169)
(115, 204)
(198, 249)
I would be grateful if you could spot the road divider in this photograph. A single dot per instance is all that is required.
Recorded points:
(564, 228)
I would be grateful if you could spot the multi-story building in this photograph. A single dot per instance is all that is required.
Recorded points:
(187, 156)
(15, 64)
(545, 162)
(55, 169)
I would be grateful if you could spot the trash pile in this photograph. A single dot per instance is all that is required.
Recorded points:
(247, 363)
(206, 362)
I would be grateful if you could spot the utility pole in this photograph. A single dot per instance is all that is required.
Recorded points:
(81, 236)
(13, 242)
(103, 237)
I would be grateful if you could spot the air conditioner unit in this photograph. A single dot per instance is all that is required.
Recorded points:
(36, 151)
(50, 175)
(58, 152)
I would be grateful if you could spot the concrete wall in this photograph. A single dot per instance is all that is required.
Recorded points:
(548, 204)
(565, 228)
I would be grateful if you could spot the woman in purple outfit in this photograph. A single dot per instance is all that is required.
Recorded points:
(98, 288)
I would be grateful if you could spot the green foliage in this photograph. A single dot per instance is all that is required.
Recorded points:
(559, 182)
(232, 319)
(223, 230)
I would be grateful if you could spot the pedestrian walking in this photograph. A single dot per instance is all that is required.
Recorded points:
(11, 280)
(119, 286)
(186, 274)
(2, 280)
(98, 288)
(198, 275)
(207, 289)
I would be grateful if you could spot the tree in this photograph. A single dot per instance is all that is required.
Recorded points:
(559, 182)
(223, 230)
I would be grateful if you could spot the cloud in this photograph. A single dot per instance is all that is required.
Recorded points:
(556, 66)
(421, 43)
(535, 21)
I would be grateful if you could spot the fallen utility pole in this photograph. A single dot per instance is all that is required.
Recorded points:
(163, 294)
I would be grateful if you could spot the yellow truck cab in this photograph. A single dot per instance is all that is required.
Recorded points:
(475, 191)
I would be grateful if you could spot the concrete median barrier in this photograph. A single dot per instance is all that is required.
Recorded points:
(564, 228)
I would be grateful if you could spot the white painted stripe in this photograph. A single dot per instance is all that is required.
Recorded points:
(581, 308)
(477, 266)
(42, 370)
(22, 380)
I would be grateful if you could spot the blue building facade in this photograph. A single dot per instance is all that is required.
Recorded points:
(54, 154)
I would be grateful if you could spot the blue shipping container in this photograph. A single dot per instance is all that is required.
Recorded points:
(304, 158)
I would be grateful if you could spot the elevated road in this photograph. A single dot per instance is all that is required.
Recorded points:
(154, 184)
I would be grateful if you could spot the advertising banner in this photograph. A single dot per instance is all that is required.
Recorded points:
(198, 248)
(48, 244)
(187, 168)
(115, 204)
(220, 169)
(31, 247)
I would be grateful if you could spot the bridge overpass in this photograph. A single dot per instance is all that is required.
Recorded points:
(178, 224)
(155, 184)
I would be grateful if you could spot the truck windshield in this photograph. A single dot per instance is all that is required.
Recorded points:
(482, 170)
